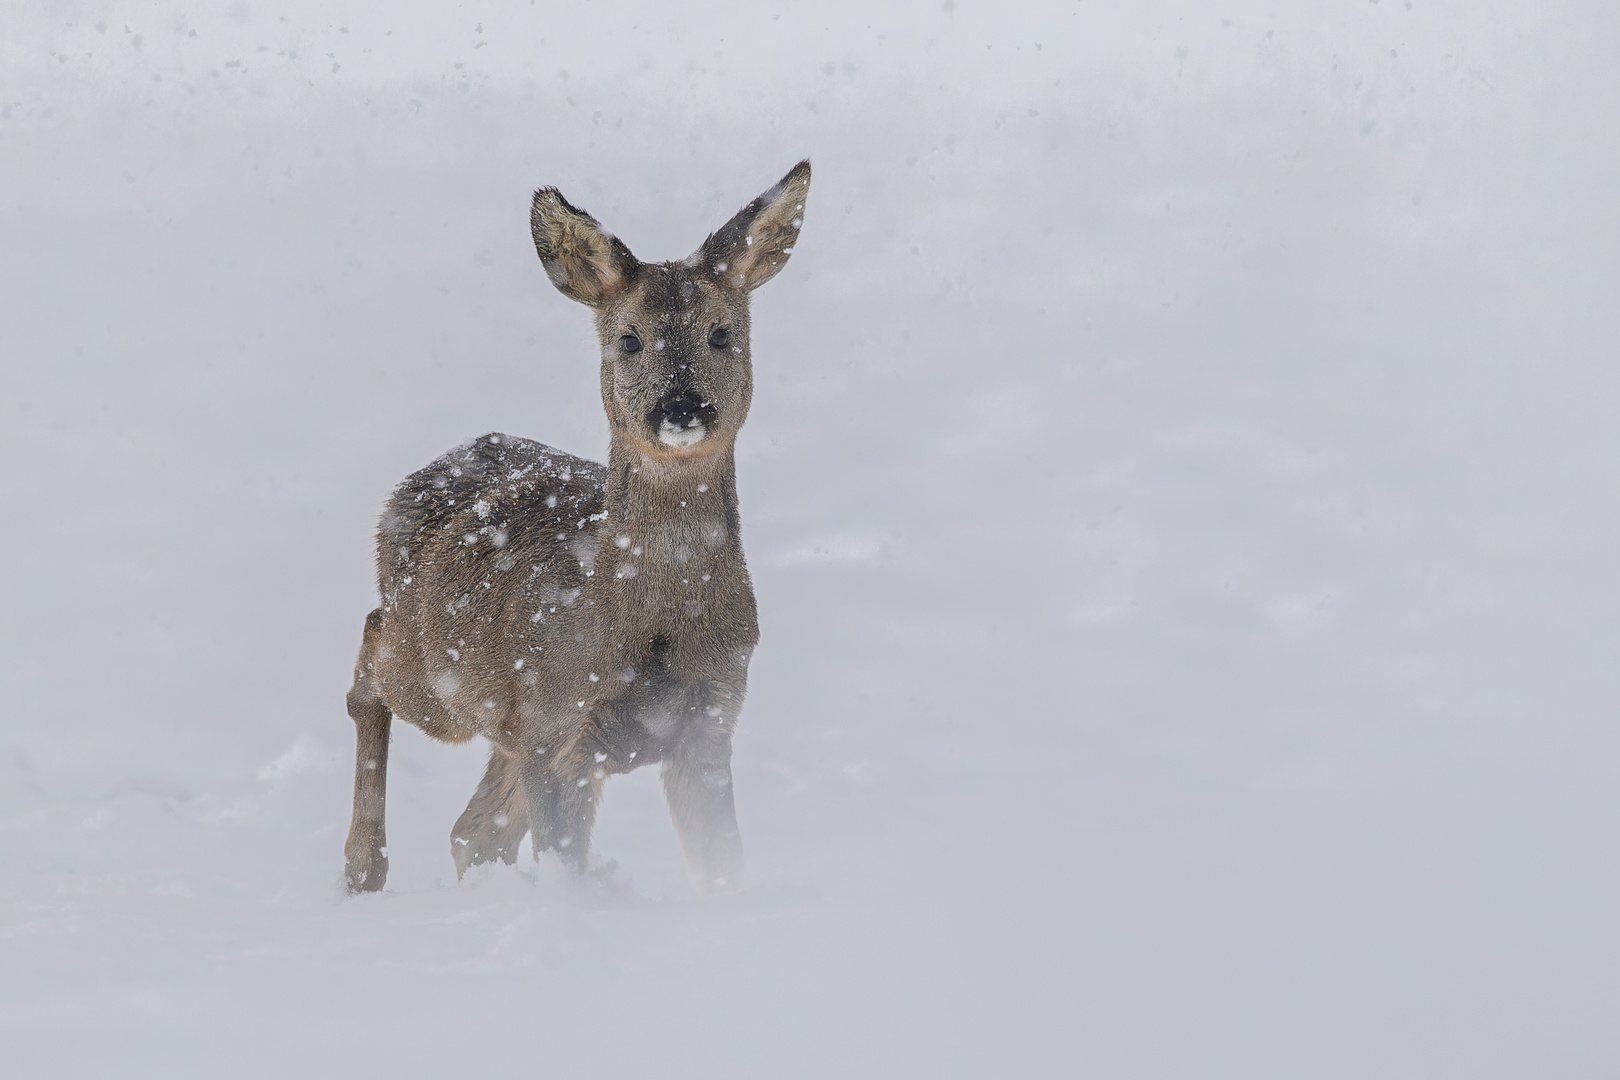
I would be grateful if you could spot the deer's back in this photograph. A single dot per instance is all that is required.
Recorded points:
(494, 493)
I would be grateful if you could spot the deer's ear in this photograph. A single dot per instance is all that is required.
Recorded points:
(584, 260)
(748, 250)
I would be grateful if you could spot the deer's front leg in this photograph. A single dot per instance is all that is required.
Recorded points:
(697, 785)
(562, 786)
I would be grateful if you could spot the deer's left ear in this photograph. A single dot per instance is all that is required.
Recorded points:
(748, 250)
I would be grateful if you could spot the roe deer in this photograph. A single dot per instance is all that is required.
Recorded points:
(586, 620)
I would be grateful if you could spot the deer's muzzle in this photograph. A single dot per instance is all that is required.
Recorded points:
(681, 418)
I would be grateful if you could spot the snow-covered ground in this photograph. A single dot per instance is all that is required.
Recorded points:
(1180, 492)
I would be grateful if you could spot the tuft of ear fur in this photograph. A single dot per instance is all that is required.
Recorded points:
(748, 250)
(585, 261)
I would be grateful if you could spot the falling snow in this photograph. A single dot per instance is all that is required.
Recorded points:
(1178, 492)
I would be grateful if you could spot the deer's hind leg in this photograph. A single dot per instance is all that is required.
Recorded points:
(365, 854)
(495, 820)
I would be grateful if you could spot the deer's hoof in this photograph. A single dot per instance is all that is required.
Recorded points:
(366, 871)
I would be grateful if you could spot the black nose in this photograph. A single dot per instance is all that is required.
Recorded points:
(682, 409)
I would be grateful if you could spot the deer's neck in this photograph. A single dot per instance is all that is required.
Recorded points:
(678, 516)
(669, 569)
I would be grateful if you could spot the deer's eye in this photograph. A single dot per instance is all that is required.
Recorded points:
(630, 343)
(718, 338)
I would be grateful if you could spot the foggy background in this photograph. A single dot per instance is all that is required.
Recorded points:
(1179, 491)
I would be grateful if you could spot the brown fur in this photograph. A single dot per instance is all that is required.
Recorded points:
(586, 620)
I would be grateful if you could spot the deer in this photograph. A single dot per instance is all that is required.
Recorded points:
(585, 619)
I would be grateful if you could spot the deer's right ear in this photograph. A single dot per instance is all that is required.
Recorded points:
(584, 260)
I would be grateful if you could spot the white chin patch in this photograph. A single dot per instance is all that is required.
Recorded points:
(682, 437)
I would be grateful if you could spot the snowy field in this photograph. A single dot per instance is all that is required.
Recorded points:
(1180, 492)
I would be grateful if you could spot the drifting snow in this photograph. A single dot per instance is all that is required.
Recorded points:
(1179, 491)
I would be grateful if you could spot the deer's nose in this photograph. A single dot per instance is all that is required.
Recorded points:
(681, 418)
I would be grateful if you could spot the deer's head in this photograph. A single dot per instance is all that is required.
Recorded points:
(676, 372)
